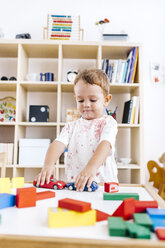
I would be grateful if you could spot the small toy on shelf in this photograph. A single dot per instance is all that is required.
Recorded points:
(53, 184)
(94, 186)
(112, 113)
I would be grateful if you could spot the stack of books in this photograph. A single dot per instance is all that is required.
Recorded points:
(122, 70)
(131, 111)
(63, 27)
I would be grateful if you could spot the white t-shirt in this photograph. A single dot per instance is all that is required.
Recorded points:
(82, 137)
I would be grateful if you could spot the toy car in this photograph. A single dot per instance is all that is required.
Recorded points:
(94, 186)
(53, 184)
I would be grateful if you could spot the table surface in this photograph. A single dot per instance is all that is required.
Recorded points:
(33, 221)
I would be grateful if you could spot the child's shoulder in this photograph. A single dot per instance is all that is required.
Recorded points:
(110, 119)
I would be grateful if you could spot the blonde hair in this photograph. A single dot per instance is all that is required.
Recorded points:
(94, 76)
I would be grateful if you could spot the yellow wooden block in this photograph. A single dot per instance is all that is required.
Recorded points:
(5, 185)
(17, 182)
(59, 217)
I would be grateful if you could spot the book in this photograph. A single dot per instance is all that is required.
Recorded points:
(129, 65)
(127, 111)
(135, 66)
(120, 70)
(137, 110)
(124, 72)
(134, 99)
(132, 64)
(114, 70)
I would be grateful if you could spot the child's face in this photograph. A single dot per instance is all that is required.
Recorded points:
(90, 100)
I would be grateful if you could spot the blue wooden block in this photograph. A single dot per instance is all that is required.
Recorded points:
(156, 212)
(7, 200)
(157, 222)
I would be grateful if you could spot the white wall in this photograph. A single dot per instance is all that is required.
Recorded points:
(143, 20)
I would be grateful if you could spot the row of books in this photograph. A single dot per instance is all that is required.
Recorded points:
(7, 148)
(63, 27)
(122, 70)
(131, 111)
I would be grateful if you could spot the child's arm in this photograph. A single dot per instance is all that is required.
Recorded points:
(54, 151)
(89, 172)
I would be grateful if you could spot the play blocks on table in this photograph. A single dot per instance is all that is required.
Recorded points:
(100, 216)
(120, 196)
(17, 182)
(117, 227)
(7, 200)
(137, 231)
(156, 212)
(45, 195)
(143, 219)
(160, 232)
(5, 185)
(111, 187)
(26, 197)
(58, 217)
(126, 209)
(76, 205)
(140, 206)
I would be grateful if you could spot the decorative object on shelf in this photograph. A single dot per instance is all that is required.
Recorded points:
(101, 25)
(49, 76)
(72, 114)
(23, 36)
(4, 78)
(125, 160)
(112, 113)
(63, 27)
(162, 159)
(7, 109)
(71, 75)
(38, 113)
(115, 36)
(33, 77)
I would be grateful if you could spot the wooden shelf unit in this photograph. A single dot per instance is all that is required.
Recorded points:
(62, 56)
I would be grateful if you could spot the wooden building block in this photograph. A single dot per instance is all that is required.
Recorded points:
(117, 227)
(156, 212)
(111, 187)
(126, 209)
(143, 219)
(100, 216)
(17, 182)
(119, 196)
(75, 205)
(45, 195)
(58, 217)
(26, 197)
(7, 200)
(157, 222)
(137, 231)
(160, 232)
(5, 185)
(140, 206)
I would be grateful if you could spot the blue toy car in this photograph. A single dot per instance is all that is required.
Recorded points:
(94, 186)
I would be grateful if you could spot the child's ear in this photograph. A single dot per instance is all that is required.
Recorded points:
(107, 100)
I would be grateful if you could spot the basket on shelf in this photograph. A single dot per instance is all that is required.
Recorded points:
(7, 109)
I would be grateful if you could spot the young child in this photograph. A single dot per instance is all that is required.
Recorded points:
(90, 139)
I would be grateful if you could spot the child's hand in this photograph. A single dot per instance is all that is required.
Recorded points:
(86, 176)
(45, 175)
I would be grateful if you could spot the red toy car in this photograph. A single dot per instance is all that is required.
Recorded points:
(53, 184)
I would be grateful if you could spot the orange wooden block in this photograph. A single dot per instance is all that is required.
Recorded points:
(100, 216)
(140, 206)
(126, 209)
(71, 204)
(26, 197)
(45, 195)
(160, 232)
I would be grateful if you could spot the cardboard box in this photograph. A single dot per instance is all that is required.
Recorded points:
(33, 151)
(38, 113)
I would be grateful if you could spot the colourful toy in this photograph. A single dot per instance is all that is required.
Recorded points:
(160, 232)
(58, 217)
(94, 186)
(111, 187)
(143, 219)
(157, 173)
(26, 197)
(126, 209)
(140, 206)
(117, 227)
(120, 196)
(5, 185)
(157, 222)
(76, 205)
(156, 212)
(53, 184)
(45, 195)
(100, 216)
(137, 231)
(7, 200)
(17, 182)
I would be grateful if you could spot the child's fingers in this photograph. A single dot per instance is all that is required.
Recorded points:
(38, 179)
(81, 183)
(89, 182)
(43, 177)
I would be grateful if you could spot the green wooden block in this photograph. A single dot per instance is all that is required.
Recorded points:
(119, 196)
(137, 231)
(117, 227)
(143, 219)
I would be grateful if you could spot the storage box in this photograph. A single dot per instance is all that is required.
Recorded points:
(33, 151)
(38, 113)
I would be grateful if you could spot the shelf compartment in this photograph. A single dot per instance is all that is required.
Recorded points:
(128, 166)
(67, 87)
(8, 49)
(123, 88)
(8, 85)
(40, 86)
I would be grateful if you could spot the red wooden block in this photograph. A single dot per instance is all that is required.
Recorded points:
(126, 209)
(71, 204)
(26, 197)
(111, 187)
(160, 232)
(140, 206)
(100, 216)
(45, 195)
